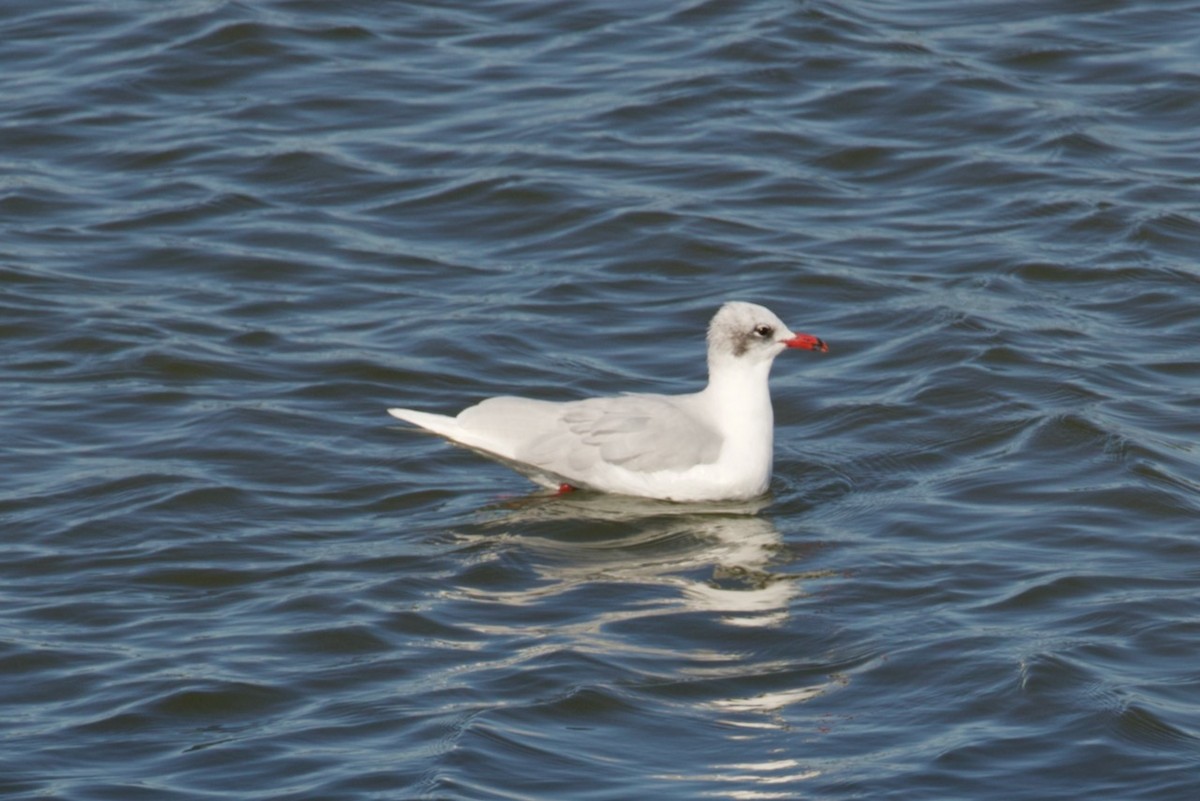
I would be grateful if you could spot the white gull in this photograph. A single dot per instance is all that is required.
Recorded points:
(712, 445)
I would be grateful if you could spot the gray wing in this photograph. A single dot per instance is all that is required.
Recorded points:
(644, 433)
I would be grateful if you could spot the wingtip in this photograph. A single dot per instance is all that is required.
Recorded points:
(411, 417)
(437, 423)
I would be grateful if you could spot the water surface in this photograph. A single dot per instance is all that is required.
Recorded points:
(235, 233)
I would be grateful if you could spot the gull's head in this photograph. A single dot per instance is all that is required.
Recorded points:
(751, 334)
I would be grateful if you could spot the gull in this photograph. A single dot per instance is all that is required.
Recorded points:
(713, 445)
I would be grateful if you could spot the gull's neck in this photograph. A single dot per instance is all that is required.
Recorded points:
(735, 385)
(738, 397)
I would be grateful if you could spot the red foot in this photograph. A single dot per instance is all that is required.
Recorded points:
(564, 488)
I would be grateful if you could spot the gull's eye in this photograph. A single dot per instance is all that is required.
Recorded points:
(763, 331)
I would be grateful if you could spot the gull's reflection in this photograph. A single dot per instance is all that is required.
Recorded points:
(718, 555)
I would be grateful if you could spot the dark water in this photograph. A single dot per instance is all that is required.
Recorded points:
(233, 233)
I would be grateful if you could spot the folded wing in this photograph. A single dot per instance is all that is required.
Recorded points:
(641, 433)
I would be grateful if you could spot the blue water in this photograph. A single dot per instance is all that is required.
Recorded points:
(234, 233)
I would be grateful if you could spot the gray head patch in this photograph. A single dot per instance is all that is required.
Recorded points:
(741, 342)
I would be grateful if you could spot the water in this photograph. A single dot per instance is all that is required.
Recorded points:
(234, 233)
